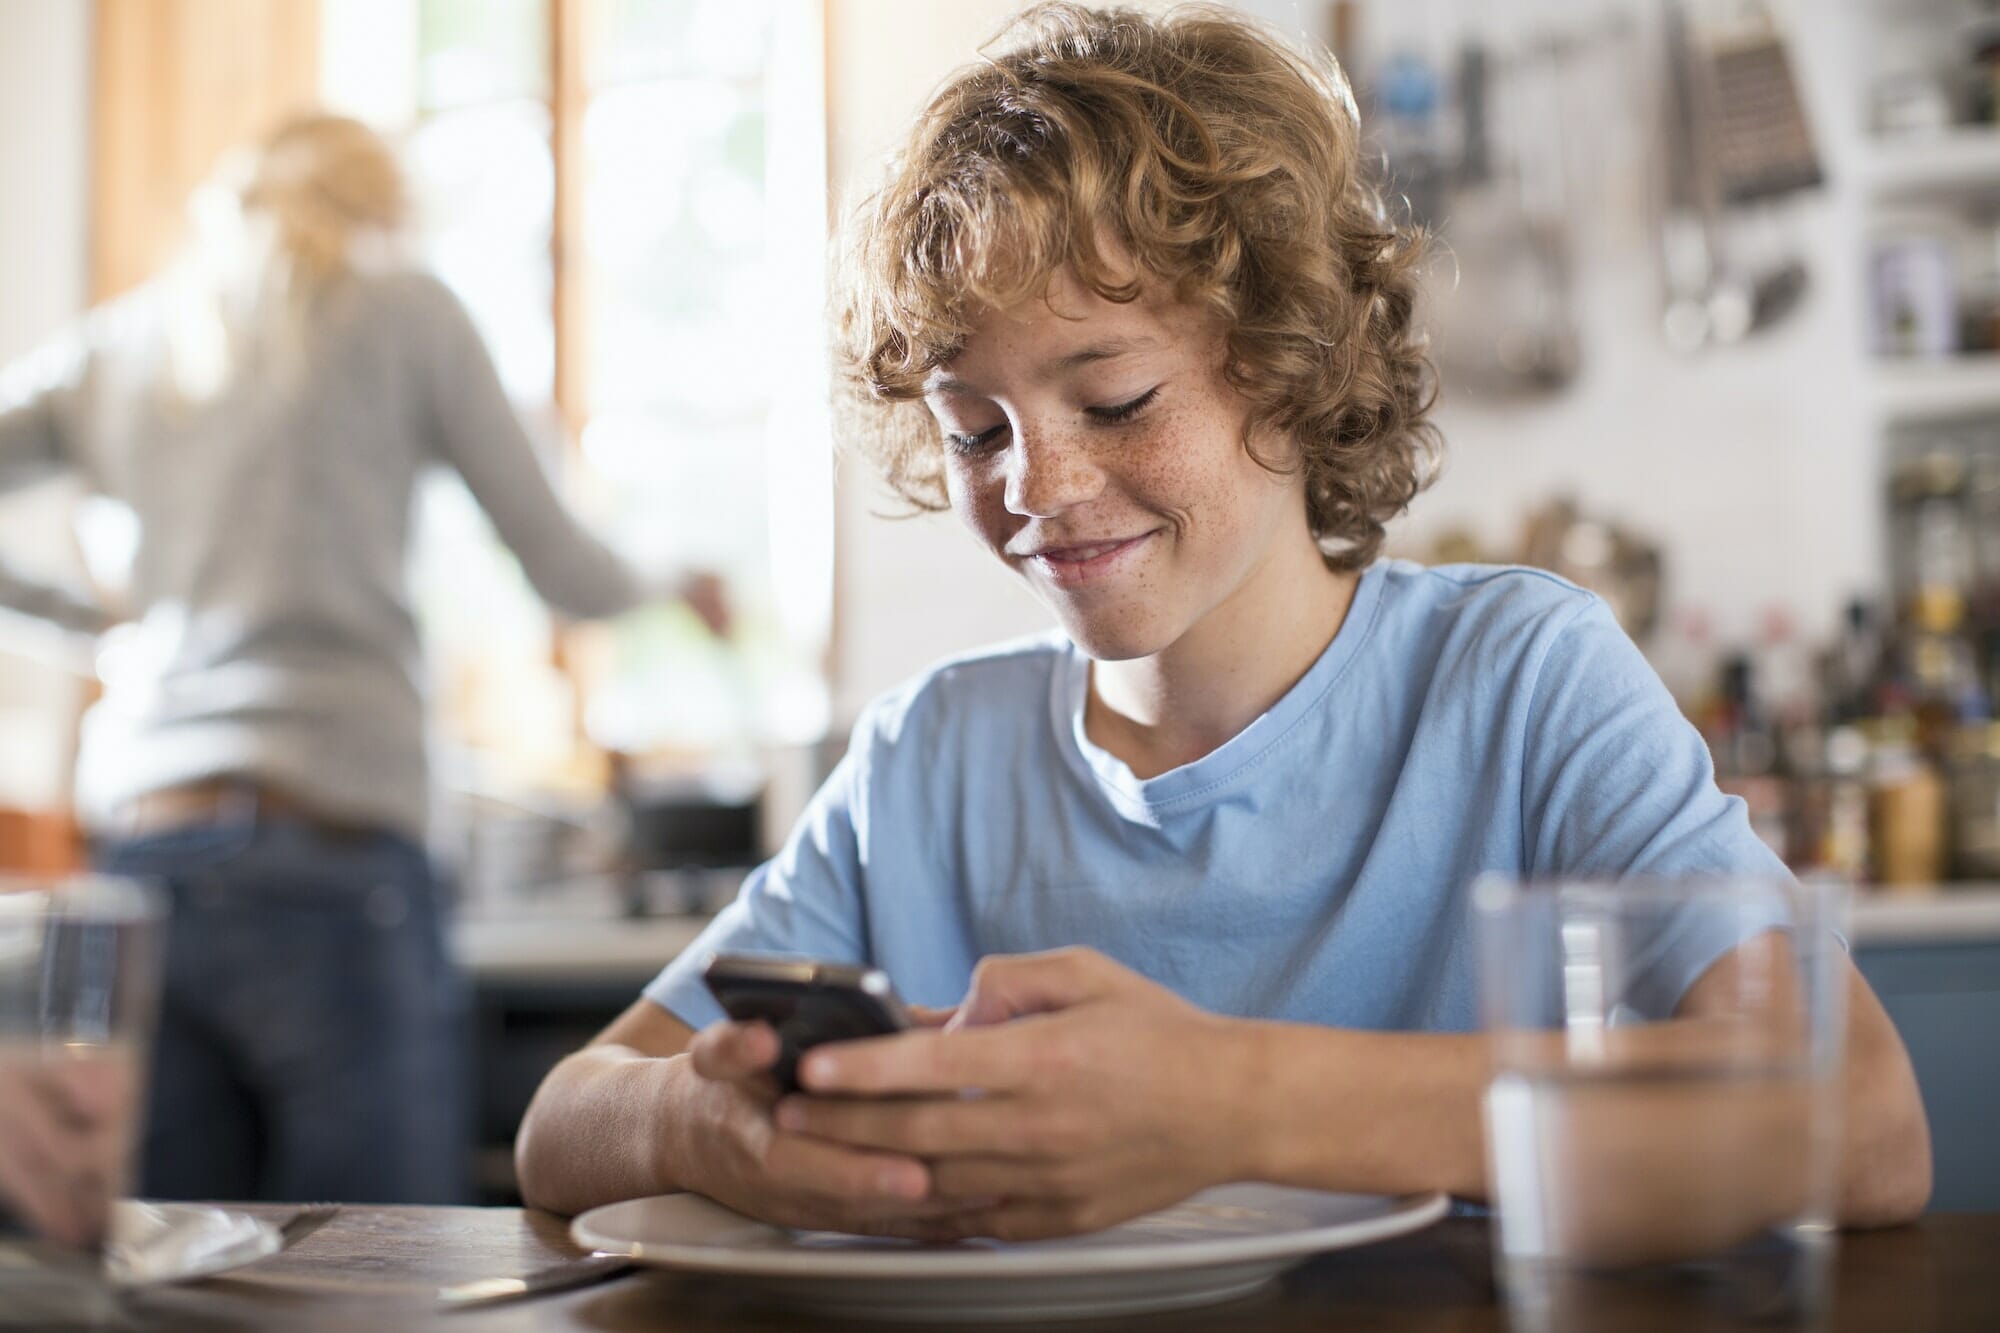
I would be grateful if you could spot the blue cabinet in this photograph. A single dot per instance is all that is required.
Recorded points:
(1945, 1000)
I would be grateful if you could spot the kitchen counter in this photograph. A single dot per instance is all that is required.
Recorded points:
(564, 948)
(546, 945)
(1968, 914)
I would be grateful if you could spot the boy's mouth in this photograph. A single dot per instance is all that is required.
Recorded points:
(1081, 562)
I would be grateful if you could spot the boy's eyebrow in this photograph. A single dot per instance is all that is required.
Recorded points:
(1104, 351)
(940, 382)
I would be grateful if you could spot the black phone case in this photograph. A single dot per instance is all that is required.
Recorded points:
(804, 1015)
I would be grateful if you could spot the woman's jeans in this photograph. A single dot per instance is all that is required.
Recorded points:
(312, 1029)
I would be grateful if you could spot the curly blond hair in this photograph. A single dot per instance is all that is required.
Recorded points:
(1219, 160)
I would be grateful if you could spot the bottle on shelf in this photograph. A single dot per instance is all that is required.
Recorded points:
(1907, 805)
(1845, 843)
(1975, 802)
(1684, 655)
(1744, 741)
(1784, 669)
(1852, 666)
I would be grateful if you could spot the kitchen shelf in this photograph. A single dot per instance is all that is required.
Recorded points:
(1938, 387)
(1954, 162)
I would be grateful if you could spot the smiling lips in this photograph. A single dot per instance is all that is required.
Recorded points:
(1069, 566)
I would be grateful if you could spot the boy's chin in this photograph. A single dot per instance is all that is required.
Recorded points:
(1110, 639)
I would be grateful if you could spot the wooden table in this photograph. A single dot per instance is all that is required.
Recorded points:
(377, 1268)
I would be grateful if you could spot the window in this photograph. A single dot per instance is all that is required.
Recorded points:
(630, 197)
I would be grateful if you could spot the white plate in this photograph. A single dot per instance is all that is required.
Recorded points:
(1222, 1243)
(153, 1243)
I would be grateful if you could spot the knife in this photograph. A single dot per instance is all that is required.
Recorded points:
(557, 1277)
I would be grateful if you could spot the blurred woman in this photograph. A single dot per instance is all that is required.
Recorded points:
(265, 408)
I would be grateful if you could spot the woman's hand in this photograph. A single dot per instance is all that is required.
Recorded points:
(708, 597)
(1072, 1091)
(748, 1163)
(65, 1134)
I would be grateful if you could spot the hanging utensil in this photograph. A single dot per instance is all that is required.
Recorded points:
(1737, 139)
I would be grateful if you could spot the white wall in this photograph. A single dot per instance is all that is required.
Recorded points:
(44, 160)
(1754, 467)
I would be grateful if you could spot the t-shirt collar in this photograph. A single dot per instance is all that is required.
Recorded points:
(1214, 770)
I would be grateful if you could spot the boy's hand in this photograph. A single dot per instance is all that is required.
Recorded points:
(793, 1180)
(1099, 1096)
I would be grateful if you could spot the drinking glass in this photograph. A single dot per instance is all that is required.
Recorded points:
(1662, 1125)
(79, 990)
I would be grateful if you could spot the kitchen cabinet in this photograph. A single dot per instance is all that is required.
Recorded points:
(545, 986)
(1936, 965)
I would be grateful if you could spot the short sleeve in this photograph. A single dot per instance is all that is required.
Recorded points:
(1618, 785)
(807, 901)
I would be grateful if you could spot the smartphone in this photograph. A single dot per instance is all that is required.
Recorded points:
(808, 1003)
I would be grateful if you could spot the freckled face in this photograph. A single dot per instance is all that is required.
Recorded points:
(1097, 449)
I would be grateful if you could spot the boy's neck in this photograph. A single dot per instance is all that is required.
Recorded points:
(1160, 712)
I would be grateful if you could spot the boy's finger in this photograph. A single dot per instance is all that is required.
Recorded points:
(993, 1059)
(1006, 987)
(855, 1181)
(731, 1051)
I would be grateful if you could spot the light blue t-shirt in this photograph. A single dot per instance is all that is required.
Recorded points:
(1315, 868)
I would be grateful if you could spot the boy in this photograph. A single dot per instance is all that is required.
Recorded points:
(1129, 308)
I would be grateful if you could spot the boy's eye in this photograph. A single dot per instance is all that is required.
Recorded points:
(1112, 414)
(973, 444)
(1123, 411)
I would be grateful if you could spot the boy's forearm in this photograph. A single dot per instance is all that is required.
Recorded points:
(1400, 1113)
(1885, 1137)
(602, 1127)
(1367, 1112)
(1394, 1112)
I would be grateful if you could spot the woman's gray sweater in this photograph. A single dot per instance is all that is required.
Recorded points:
(274, 638)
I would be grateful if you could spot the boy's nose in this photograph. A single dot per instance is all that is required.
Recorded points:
(1048, 474)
